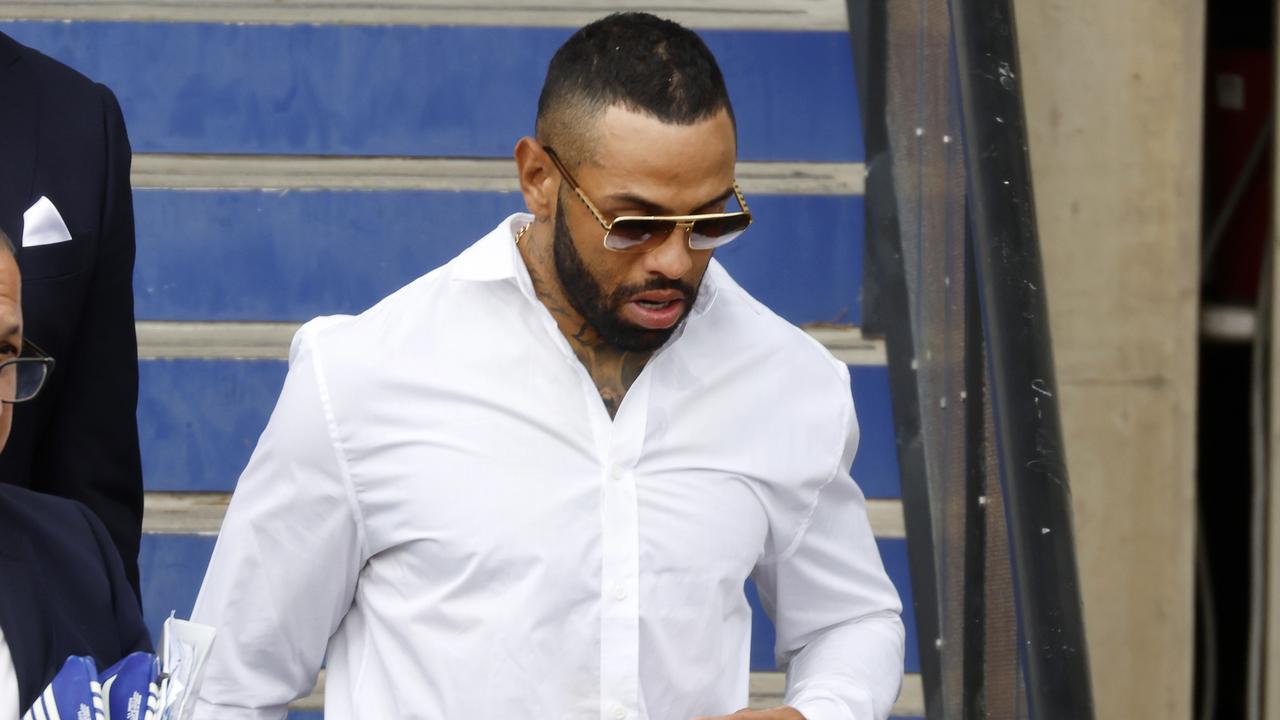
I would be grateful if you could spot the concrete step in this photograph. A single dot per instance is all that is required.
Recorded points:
(767, 690)
(702, 14)
(202, 513)
(291, 172)
(270, 341)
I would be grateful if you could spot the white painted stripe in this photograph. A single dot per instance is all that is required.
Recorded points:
(767, 690)
(848, 344)
(185, 513)
(215, 340)
(270, 341)
(911, 699)
(283, 172)
(887, 519)
(188, 513)
(705, 14)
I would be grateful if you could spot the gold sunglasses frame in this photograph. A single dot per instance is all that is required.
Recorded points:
(682, 222)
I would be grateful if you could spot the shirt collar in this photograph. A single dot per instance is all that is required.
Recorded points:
(496, 257)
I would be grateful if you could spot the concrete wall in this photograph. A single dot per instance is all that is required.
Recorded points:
(1114, 100)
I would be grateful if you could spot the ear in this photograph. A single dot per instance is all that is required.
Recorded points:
(538, 180)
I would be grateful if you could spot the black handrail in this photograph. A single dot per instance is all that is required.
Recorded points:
(1024, 393)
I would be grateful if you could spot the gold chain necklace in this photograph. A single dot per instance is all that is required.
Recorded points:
(521, 232)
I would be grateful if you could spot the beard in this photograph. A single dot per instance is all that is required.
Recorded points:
(603, 312)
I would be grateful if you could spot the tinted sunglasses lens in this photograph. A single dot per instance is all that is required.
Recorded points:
(714, 232)
(637, 233)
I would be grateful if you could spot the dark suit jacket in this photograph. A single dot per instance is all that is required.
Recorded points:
(62, 136)
(62, 589)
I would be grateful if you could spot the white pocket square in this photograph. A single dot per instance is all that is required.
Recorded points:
(42, 225)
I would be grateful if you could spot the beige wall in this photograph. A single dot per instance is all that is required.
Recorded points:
(1113, 97)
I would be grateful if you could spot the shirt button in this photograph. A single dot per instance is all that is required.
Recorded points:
(619, 713)
(615, 472)
(620, 591)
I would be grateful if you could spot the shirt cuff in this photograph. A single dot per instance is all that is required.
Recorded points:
(822, 707)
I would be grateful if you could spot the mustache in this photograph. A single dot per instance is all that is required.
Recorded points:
(621, 294)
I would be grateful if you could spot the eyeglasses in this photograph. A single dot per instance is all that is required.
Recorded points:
(643, 233)
(22, 377)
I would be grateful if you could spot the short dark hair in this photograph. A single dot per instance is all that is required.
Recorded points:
(642, 62)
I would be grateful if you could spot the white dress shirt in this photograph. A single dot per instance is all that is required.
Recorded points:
(9, 709)
(442, 511)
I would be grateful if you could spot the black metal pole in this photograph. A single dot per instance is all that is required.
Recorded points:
(1024, 393)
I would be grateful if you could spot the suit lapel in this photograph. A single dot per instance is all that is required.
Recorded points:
(17, 137)
(22, 605)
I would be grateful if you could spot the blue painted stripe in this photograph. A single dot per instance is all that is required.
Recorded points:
(271, 255)
(894, 555)
(875, 467)
(199, 420)
(173, 566)
(417, 91)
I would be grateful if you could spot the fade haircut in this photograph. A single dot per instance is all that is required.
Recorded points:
(635, 60)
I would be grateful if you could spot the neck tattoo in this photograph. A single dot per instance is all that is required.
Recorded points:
(611, 369)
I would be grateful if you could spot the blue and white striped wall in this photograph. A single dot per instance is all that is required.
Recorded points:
(297, 159)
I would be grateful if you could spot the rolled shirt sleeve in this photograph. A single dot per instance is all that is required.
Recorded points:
(284, 570)
(838, 617)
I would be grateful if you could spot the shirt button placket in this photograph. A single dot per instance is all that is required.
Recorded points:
(619, 611)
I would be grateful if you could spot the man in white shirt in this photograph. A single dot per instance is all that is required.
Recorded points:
(532, 483)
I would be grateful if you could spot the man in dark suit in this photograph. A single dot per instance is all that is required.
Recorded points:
(65, 201)
(62, 585)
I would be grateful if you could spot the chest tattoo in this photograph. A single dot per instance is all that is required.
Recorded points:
(612, 370)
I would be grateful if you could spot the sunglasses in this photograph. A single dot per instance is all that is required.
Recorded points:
(643, 233)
